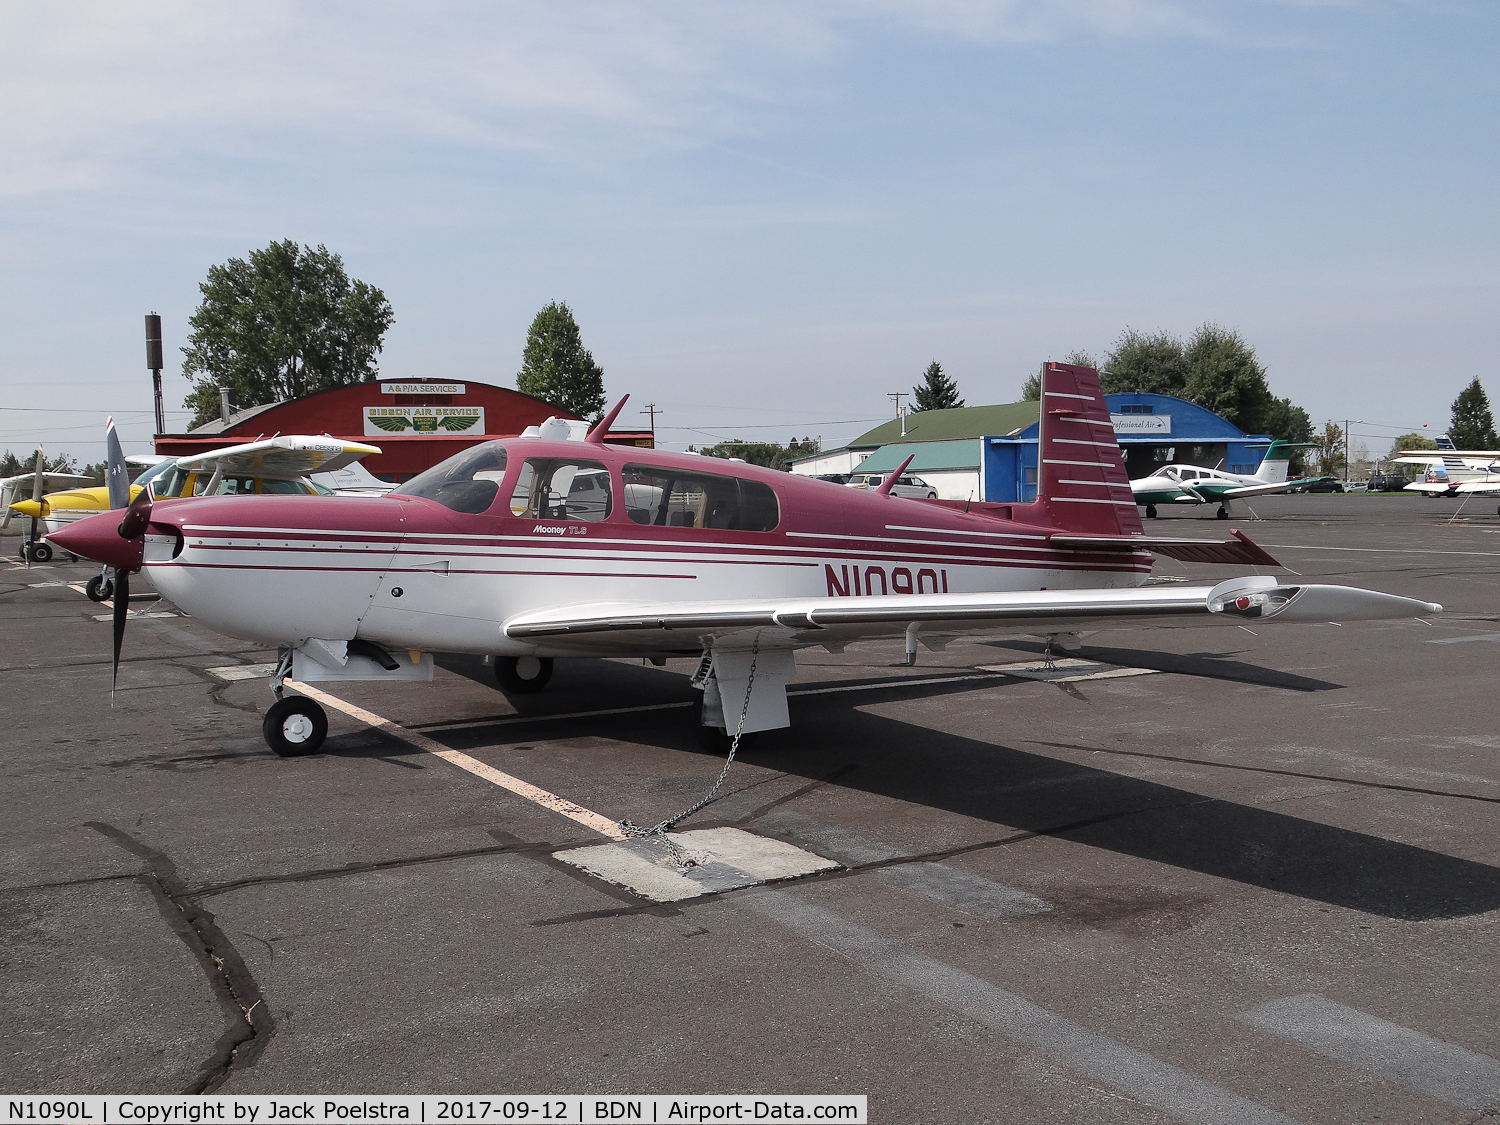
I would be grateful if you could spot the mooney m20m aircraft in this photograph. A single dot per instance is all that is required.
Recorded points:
(1193, 484)
(532, 549)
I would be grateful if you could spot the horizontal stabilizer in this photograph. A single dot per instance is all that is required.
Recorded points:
(1236, 550)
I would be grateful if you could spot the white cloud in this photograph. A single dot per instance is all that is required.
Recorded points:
(97, 92)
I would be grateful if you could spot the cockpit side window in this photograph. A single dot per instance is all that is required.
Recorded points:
(672, 498)
(466, 482)
(553, 488)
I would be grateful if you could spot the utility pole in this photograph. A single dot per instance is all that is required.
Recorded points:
(153, 361)
(652, 410)
(1357, 422)
(898, 396)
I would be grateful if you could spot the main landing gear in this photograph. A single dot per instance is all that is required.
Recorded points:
(1223, 513)
(522, 675)
(1150, 511)
(295, 725)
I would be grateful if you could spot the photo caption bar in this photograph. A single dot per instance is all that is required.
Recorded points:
(495, 1109)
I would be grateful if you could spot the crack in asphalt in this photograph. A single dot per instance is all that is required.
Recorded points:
(313, 875)
(251, 1023)
(1278, 773)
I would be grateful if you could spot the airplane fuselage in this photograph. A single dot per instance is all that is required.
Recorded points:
(409, 573)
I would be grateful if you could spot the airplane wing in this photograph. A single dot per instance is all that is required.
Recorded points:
(811, 621)
(1477, 487)
(1424, 486)
(1259, 489)
(284, 458)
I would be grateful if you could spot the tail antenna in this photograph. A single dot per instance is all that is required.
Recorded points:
(596, 435)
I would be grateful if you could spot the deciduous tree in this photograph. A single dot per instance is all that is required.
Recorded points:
(286, 323)
(557, 368)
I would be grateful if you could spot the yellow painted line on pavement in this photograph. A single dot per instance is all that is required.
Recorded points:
(535, 794)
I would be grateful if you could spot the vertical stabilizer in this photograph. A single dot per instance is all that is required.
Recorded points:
(1082, 486)
(1273, 469)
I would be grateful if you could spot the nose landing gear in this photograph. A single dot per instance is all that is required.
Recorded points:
(294, 725)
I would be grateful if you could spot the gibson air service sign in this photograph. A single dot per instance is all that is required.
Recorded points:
(423, 420)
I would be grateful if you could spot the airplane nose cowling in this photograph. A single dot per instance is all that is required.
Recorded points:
(98, 538)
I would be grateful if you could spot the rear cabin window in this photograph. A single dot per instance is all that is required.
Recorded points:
(553, 488)
(466, 482)
(671, 498)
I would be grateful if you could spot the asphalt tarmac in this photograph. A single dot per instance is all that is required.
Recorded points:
(1259, 884)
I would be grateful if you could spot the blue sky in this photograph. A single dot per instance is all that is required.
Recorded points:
(765, 216)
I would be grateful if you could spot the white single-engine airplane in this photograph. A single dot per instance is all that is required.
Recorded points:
(1454, 472)
(533, 549)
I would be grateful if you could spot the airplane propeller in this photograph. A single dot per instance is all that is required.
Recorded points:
(132, 527)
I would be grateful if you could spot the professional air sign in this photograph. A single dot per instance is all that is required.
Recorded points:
(423, 420)
(1141, 423)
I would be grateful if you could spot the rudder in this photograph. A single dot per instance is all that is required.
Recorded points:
(1082, 485)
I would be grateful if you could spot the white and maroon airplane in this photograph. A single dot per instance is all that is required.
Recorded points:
(535, 548)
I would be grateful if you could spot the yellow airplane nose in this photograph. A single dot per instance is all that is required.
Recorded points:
(30, 508)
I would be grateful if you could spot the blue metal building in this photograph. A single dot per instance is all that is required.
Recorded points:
(1153, 430)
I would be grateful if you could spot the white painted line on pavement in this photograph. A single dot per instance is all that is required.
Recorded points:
(1410, 1058)
(1174, 1092)
(536, 795)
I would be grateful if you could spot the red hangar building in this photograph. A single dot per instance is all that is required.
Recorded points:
(415, 422)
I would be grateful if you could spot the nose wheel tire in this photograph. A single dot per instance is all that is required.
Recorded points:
(39, 552)
(522, 675)
(99, 588)
(294, 726)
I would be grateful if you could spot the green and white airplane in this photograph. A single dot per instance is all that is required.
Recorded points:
(1193, 484)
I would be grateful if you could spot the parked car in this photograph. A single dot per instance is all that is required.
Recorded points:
(833, 478)
(1328, 484)
(1387, 482)
(908, 485)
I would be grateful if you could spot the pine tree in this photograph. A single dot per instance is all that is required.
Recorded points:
(557, 368)
(936, 391)
(1473, 426)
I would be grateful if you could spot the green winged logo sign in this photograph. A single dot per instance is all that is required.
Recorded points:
(423, 420)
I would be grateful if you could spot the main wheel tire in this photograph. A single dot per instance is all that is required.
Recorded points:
(1223, 514)
(1150, 511)
(716, 740)
(41, 552)
(294, 726)
(523, 675)
(99, 588)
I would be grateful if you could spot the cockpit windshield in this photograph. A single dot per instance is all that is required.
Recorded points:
(466, 482)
